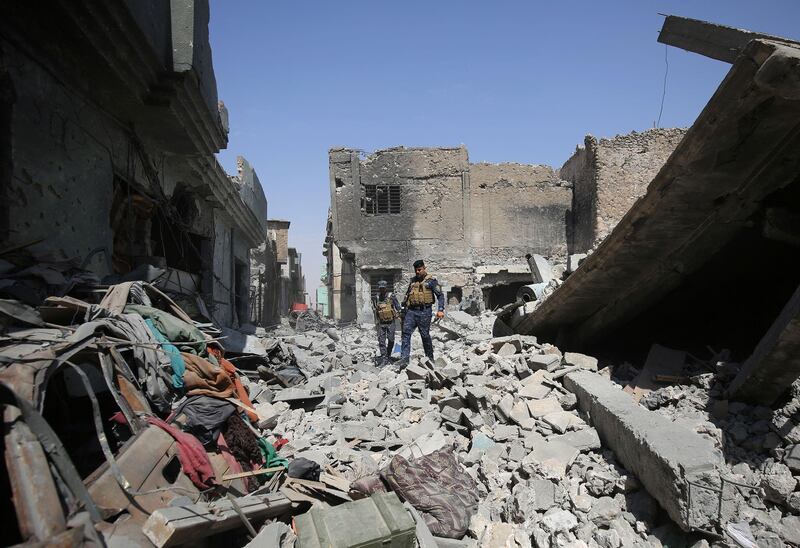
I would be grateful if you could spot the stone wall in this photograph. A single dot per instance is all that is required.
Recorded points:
(430, 222)
(278, 231)
(453, 214)
(517, 209)
(609, 175)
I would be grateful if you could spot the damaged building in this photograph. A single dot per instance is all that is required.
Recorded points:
(475, 223)
(645, 395)
(109, 122)
(472, 223)
(291, 288)
(723, 206)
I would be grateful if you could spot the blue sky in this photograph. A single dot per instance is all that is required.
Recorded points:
(519, 81)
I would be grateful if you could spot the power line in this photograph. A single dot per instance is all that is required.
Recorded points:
(664, 90)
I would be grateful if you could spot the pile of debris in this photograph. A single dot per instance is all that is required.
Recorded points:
(500, 441)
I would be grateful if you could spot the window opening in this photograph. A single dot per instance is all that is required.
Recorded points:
(381, 199)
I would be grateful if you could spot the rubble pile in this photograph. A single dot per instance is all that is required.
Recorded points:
(488, 444)
(761, 445)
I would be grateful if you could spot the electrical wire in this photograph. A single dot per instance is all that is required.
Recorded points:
(664, 90)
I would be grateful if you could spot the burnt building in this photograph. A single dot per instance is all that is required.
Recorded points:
(473, 223)
(109, 122)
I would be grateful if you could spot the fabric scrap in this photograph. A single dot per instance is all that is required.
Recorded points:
(175, 358)
(184, 335)
(238, 387)
(193, 458)
(205, 417)
(242, 442)
(435, 484)
(271, 458)
(201, 377)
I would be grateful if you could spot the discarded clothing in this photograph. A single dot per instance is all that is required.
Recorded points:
(242, 442)
(184, 335)
(193, 458)
(151, 363)
(271, 458)
(238, 388)
(205, 417)
(366, 486)
(175, 358)
(203, 377)
(118, 296)
(234, 466)
(435, 484)
(303, 468)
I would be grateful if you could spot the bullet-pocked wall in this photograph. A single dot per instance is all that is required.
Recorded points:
(109, 122)
(401, 204)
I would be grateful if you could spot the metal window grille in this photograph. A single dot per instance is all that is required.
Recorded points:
(381, 199)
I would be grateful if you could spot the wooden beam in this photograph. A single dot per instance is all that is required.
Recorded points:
(181, 524)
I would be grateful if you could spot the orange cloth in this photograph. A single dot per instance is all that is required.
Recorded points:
(238, 388)
(203, 377)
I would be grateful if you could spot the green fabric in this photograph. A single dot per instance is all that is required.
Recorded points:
(175, 358)
(185, 336)
(270, 455)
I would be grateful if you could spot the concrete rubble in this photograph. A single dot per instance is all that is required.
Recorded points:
(560, 454)
(589, 412)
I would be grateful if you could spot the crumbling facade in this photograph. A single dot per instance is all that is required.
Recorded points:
(608, 176)
(109, 121)
(472, 223)
(291, 282)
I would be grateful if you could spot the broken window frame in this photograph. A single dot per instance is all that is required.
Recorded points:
(381, 200)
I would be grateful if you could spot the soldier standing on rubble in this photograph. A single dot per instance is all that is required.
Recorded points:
(417, 310)
(386, 309)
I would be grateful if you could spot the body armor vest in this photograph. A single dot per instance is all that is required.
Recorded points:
(419, 293)
(385, 309)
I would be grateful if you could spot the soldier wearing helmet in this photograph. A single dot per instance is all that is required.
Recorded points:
(386, 309)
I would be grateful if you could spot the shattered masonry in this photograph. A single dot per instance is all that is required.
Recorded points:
(643, 391)
(474, 223)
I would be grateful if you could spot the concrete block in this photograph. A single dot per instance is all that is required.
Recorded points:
(574, 260)
(580, 360)
(499, 342)
(534, 391)
(416, 372)
(561, 421)
(540, 268)
(658, 451)
(451, 401)
(362, 431)
(552, 455)
(540, 408)
(548, 362)
(507, 349)
(792, 458)
(583, 440)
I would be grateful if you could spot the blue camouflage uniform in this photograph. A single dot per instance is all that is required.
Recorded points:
(419, 316)
(385, 328)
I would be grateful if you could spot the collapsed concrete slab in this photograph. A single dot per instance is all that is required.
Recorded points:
(661, 453)
(709, 39)
(775, 363)
(685, 238)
